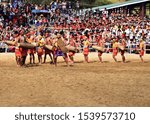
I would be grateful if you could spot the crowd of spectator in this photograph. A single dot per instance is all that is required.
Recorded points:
(66, 17)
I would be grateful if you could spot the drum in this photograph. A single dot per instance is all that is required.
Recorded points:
(121, 47)
(98, 48)
(26, 45)
(9, 43)
(61, 45)
(49, 47)
(71, 48)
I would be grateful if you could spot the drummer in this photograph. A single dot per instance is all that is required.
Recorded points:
(23, 50)
(17, 49)
(72, 53)
(57, 50)
(48, 41)
(30, 39)
(100, 43)
(115, 48)
(122, 50)
(20, 53)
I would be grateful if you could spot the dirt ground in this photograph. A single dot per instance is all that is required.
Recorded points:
(92, 84)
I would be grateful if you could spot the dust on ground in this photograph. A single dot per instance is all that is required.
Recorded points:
(84, 84)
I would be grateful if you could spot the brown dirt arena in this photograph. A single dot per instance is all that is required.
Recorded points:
(92, 84)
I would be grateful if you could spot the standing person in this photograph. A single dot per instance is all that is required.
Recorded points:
(40, 42)
(17, 49)
(31, 51)
(23, 50)
(86, 44)
(57, 49)
(48, 41)
(20, 53)
(72, 53)
(115, 48)
(100, 43)
(122, 50)
(141, 45)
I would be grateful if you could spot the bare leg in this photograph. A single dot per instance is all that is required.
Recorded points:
(18, 61)
(51, 58)
(39, 58)
(45, 58)
(114, 58)
(86, 58)
(55, 61)
(66, 58)
(33, 58)
(30, 58)
(141, 58)
(100, 58)
(72, 59)
(123, 58)
(23, 60)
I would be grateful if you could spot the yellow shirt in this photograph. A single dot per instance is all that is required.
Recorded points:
(115, 45)
(41, 42)
(86, 43)
(29, 40)
(142, 45)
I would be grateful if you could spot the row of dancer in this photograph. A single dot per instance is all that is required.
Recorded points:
(51, 40)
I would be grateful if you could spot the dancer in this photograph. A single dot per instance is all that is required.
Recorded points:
(30, 39)
(115, 48)
(141, 45)
(71, 52)
(100, 43)
(86, 44)
(59, 49)
(48, 41)
(122, 49)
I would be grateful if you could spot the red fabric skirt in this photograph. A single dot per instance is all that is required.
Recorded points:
(71, 53)
(31, 51)
(40, 51)
(18, 52)
(85, 51)
(115, 52)
(141, 52)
